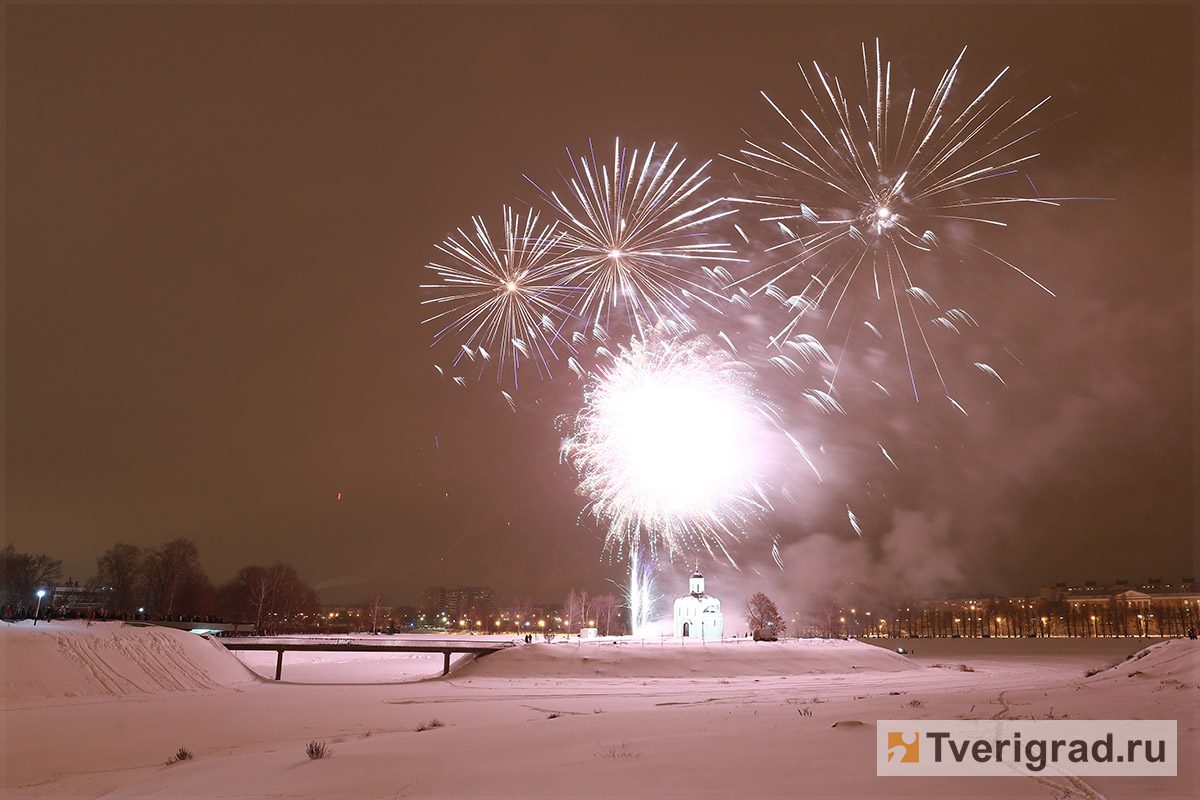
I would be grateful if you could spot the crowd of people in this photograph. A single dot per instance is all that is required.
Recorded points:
(48, 612)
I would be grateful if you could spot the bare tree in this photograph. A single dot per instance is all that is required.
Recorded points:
(521, 609)
(571, 612)
(261, 591)
(375, 606)
(763, 616)
(175, 580)
(606, 609)
(120, 569)
(273, 596)
(828, 615)
(22, 573)
(585, 608)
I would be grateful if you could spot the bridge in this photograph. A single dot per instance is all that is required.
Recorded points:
(194, 626)
(445, 648)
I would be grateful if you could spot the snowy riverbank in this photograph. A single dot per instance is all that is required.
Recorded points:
(541, 721)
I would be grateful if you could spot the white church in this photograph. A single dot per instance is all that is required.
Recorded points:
(698, 614)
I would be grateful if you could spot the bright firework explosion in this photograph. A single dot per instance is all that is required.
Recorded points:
(867, 185)
(639, 594)
(634, 239)
(502, 297)
(671, 446)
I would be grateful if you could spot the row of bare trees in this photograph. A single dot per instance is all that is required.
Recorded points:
(169, 581)
(581, 609)
(274, 597)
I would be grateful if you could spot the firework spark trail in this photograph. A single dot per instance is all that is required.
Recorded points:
(859, 194)
(501, 297)
(639, 595)
(887, 455)
(634, 237)
(854, 521)
(670, 447)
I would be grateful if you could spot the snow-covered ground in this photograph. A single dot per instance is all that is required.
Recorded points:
(94, 711)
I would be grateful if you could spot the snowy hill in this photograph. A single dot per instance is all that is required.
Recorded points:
(1175, 661)
(74, 660)
(673, 659)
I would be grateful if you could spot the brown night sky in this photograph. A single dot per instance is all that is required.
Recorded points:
(218, 218)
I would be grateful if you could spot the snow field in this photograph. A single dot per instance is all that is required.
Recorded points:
(566, 720)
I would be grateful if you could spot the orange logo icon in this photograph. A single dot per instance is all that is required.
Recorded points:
(902, 747)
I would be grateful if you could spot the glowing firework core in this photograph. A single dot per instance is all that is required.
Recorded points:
(511, 286)
(669, 445)
(677, 440)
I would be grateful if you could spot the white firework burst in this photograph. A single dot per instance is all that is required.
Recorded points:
(863, 184)
(502, 298)
(671, 447)
(635, 237)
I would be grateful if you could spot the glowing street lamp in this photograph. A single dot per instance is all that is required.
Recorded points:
(40, 594)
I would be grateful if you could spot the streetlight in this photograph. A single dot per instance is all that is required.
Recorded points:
(40, 594)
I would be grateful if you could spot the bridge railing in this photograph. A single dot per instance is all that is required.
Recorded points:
(279, 648)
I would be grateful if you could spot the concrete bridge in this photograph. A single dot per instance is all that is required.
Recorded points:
(445, 648)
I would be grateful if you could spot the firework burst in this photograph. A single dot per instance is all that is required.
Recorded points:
(671, 446)
(639, 593)
(503, 298)
(868, 183)
(634, 237)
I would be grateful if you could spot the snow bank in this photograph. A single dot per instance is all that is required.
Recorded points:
(70, 660)
(1174, 661)
(673, 659)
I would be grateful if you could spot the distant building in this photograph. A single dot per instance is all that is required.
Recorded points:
(435, 602)
(1150, 608)
(73, 598)
(698, 614)
(1151, 586)
(458, 604)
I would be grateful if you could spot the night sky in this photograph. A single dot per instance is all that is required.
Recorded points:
(218, 218)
